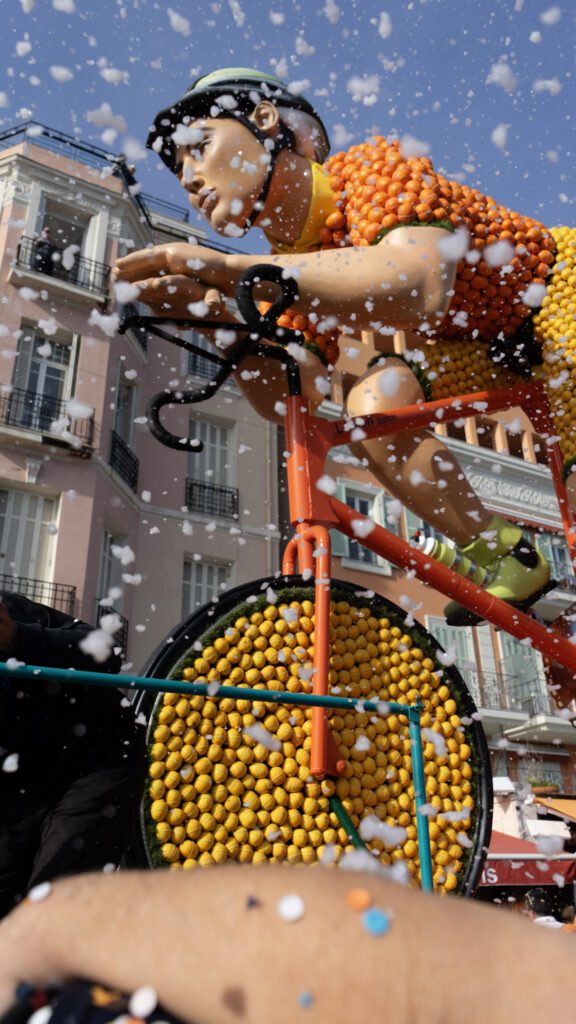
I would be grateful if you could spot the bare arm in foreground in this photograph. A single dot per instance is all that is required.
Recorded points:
(215, 948)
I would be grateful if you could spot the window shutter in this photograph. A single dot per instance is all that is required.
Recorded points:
(412, 523)
(338, 541)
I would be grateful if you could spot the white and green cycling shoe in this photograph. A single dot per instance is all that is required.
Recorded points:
(502, 561)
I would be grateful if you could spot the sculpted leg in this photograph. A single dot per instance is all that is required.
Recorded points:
(416, 467)
(419, 469)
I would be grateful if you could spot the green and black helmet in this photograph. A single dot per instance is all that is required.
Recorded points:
(230, 92)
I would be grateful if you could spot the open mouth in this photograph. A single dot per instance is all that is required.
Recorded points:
(206, 202)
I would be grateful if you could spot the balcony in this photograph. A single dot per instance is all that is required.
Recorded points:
(121, 637)
(141, 335)
(498, 692)
(87, 274)
(30, 411)
(211, 499)
(56, 595)
(123, 461)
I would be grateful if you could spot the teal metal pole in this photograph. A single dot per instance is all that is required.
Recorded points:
(35, 672)
(424, 851)
(346, 822)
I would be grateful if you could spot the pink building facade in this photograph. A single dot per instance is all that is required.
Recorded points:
(92, 508)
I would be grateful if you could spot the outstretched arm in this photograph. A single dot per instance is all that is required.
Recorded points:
(218, 946)
(401, 281)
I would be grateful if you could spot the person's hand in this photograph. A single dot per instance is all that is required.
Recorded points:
(8, 630)
(176, 276)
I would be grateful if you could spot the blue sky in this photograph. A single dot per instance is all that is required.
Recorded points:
(488, 85)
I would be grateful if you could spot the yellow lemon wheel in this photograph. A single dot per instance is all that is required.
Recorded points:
(236, 773)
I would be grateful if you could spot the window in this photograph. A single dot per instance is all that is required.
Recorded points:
(460, 639)
(526, 681)
(356, 551)
(369, 502)
(198, 366)
(40, 381)
(555, 550)
(126, 404)
(413, 524)
(110, 573)
(201, 582)
(212, 463)
(26, 545)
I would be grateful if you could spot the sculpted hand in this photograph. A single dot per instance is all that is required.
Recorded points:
(174, 276)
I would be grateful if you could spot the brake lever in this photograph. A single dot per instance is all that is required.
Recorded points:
(256, 324)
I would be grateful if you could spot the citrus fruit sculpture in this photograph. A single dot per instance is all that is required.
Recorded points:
(229, 779)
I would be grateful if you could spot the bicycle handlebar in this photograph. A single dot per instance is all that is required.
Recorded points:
(255, 326)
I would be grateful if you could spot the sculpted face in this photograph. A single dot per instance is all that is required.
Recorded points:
(223, 169)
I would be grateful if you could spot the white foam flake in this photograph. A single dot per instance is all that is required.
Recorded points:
(10, 763)
(114, 76)
(550, 85)
(551, 16)
(364, 90)
(326, 484)
(500, 135)
(437, 740)
(389, 381)
(534, 295)
(501, 74)
(40, 892)
(125, 292)
(362, 527)
(384, 25)
(103, 117)
(454, 245)
(291, 907)
(411, 146)
(181, 25)
(447, 657)
(78, 410)
(123, 553)
(549, 846)
(143, 1002)
(499, 254)
(108, 324)
(60, 73)
(391, 835)
(261, 735)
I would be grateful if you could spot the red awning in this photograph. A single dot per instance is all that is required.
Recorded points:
(513, 861)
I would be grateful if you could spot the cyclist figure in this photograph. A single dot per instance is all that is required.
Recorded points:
(369, 237)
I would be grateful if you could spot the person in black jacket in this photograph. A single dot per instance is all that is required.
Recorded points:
(72, 757)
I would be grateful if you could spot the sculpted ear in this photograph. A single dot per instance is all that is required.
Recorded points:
(265, 116)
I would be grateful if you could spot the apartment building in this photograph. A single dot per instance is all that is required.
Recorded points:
(93, 511)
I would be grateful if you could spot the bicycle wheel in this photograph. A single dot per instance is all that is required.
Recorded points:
(218, 792)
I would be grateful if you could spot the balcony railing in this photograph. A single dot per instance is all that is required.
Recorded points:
(140, 333)
(31, 411)
(123, 460)
(211, 499)
(498, 692)
(84, 273)
(121, 637)
(56, 595)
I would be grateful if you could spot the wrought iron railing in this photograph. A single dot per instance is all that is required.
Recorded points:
(56, 595)
(31, 411)
(121, 636)
(88, 274)
(499, 692)
(140, 333)
(211, 499)
(123, 460)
